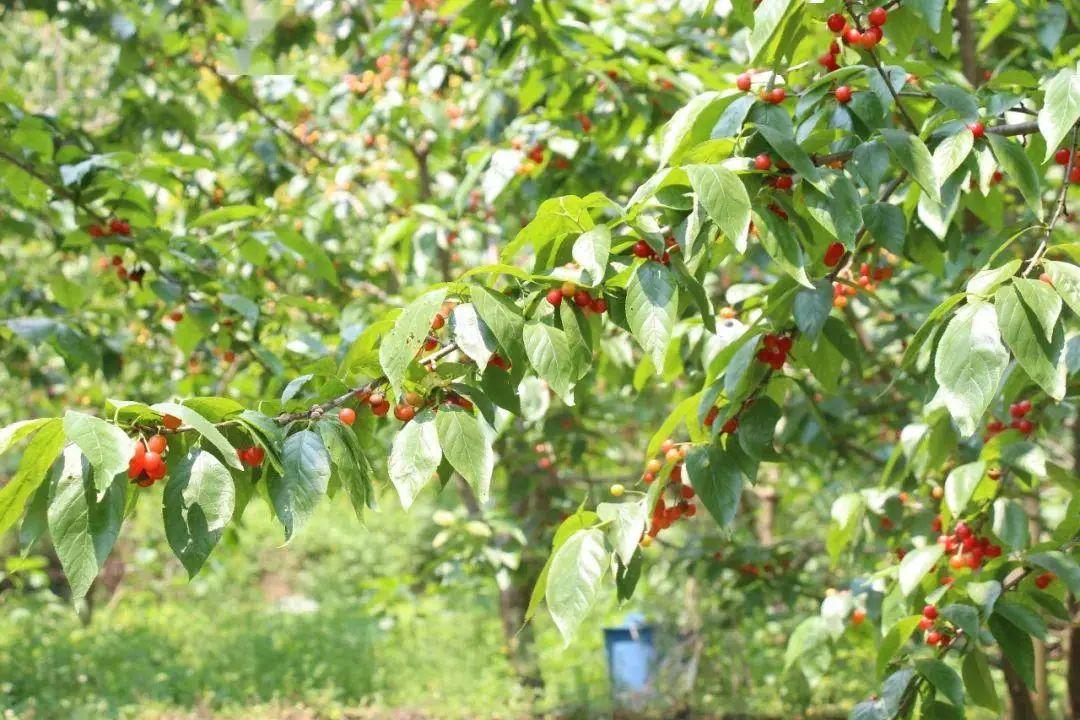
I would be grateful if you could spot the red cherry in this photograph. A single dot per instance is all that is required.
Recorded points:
(404, 412)
(1020, 409)
(730, 425)
(834, 253)
(777, 95)
(963, 530)
(171, 422)
(843, 94)
(135, 466)
(878, 16)
(152, 462)
(1024, 426)
(763, 162)
(1061, 157)
(347, 416)
(228, 356)
(933, 638)
(926, 623)
(836, 22)
(852, 36)
(784, 182)
(710, 417)
(995, 426)
(157, 444)
(554, 296)
(582, 299)
(255, 455)
(438, 321)
(642, 249)
(96, 230)
(871, 37)
(176, 316)
(1044, 580)
(930, 612)
(828, 61)
(1074, 174)
(599, 306)
(743, 82)
(977, 129)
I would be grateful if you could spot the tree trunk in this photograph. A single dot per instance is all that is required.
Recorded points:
(1020, 705)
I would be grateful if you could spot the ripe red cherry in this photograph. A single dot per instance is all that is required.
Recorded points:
(852, 36)
(930, 612)
(871, 37)
(157, 444)
(1020, 409)
(828, 61)
(763, 162)
(228, 356)
(730, 425)
(777, 96)
(843, 94)
(1024, 426)
(582, 299)
(1061, 157)
(404, 412)
(743, 82)
(642, 249)
(347, 416)
(833, 254)
(598, 305)
(152, 462)
(878, 16)
(977, 129)
(119, 227)
(171, 422)
(1044, 580)
(784, 182)
(96, 230)
(255, 455)
(933, 638)
(379, 405)
(836, 22)
(1074, 174)
(554, 296)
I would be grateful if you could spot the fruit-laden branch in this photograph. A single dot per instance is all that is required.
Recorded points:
(881, 70)
(1059, 207)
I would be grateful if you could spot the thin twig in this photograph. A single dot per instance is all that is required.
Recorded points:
(1059, 207)
(57, 189)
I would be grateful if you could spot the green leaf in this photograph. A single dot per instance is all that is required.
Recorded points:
(1015, 646)
(627, 524)
(578, 521)
(652, 299)
(1066, 279)
(774, 124)
(807, 637)
(83, 529)
(1061, 565)
(40, 453)
(886, 224)
(725, 200)
(590, 252)
(204, 427)
(15, 432)
(297, 491)
(350, 464)
(779, 241)
(549, 353)
(319, 264)
(944, 679)
(951, 153)
(466, 445)
(757, 426)
(916, 564)
(555, 218)
(226, 214)
(1021, 328)
(573, 581)
(969, 363)
(769, 18)
(913, 156)
(105, 445)
(1010, 523)
(504, 320)
(691, 123)
(979, 682)
(414, 456)
(198, 504)
(961, 483)
(985, 594)
(1061, 108)
(894, 640)
(399, 347)
(1015, 164)
(986, 281)
(472, 334)
(1043, 302)
(812, 308)
(717, 480)
(964, 617)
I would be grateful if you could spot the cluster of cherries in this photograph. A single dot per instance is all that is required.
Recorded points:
(773, 97)
(966, 549)
(781, 181)
(866, 39)
(147, 465)
(645, 251)
(774, 351)
(663, 514)
(936, 634)
(868, 277)
(730, 425)
(580, 296)
(116, 226)
(1018, 410)
(135, 275)
(546, 461)
(1062, 157)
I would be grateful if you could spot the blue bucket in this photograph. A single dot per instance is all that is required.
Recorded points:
(631, 658)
